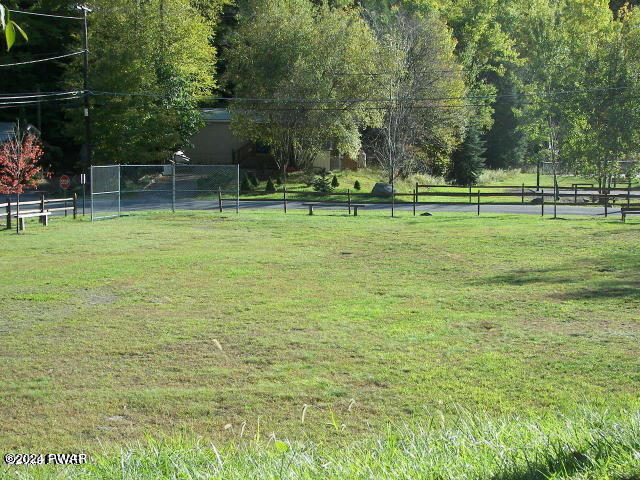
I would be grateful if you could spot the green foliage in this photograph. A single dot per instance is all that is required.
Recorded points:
(278, 180)
(9, 27)
(468, 162)
(245, 185)
(159, 47)
(356, 185)
(322, 183)
(334, 182)
(291, 49)
(590, 133)
(270, 187)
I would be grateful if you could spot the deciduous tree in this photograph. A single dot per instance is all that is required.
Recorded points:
(19, 164)
(160, 52)
(425, 113)
(307, 67)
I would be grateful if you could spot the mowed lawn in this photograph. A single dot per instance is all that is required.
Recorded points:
(309, 327)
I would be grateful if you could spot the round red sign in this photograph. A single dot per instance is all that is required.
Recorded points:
(65, 182)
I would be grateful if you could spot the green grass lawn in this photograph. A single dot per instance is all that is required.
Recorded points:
(217, 325)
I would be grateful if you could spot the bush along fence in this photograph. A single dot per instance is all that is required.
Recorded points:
(41, 209)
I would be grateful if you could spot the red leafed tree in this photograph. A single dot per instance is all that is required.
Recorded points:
(19, 164)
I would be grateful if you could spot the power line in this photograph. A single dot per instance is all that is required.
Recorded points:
(29, 62)
(384, 101)
(376, 100)
(33, 102)
(45, 15)
(22, 96)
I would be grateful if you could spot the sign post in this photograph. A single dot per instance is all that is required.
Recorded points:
(83, 182)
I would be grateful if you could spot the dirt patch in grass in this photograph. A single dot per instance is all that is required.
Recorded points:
(99, 297)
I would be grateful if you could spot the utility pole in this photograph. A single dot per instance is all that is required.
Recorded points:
(39, 112)
(19, 154)
(87, 118)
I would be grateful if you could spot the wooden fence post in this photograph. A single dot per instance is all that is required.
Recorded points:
(8, 213)
(75, 206)
(220, 199)
(284, 198)
(606, 201)
(349, 199)
(629, 195)
(478, 202)
(470, 194)
(523, 193)
(42, 221)
(415, 199)
(542, 204)
(575, 194)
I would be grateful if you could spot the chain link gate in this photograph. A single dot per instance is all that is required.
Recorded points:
(105, 192)
(171, 187)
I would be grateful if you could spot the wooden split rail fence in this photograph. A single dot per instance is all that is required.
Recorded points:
(37, 208)
(627, 198)
(606, 199)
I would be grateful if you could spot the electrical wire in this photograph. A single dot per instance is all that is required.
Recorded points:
(32, 102)
(29, 62)
(382, 104)
(46, 15)
(21, 96)
(376, 100)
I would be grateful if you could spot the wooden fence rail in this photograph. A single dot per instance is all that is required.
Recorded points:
(11, 209)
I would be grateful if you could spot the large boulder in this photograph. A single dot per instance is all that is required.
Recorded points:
(382, 190)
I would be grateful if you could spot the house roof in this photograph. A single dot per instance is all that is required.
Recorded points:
(7, 130)
(216, 115)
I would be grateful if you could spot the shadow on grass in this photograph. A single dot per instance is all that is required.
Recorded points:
(566, 464)
(614, 276)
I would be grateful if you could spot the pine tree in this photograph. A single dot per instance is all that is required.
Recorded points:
(468, 161)
(253, 179)
(334, 182)
(245, 185)
(270, 188)
(356, 185)
(322, 183)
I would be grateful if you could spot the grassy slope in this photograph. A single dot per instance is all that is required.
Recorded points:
(111, 330)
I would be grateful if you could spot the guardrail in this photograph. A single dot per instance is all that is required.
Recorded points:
(11, 209)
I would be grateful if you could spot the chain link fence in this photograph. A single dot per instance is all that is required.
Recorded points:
(163, 187)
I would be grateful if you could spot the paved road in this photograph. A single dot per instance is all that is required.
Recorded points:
(129, 205)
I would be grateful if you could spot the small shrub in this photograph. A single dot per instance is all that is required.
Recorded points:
(245, 185)
(253, 179)
(356, 185)
(270, 188)
(308, 176)
(322, 183)
(334, 182)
